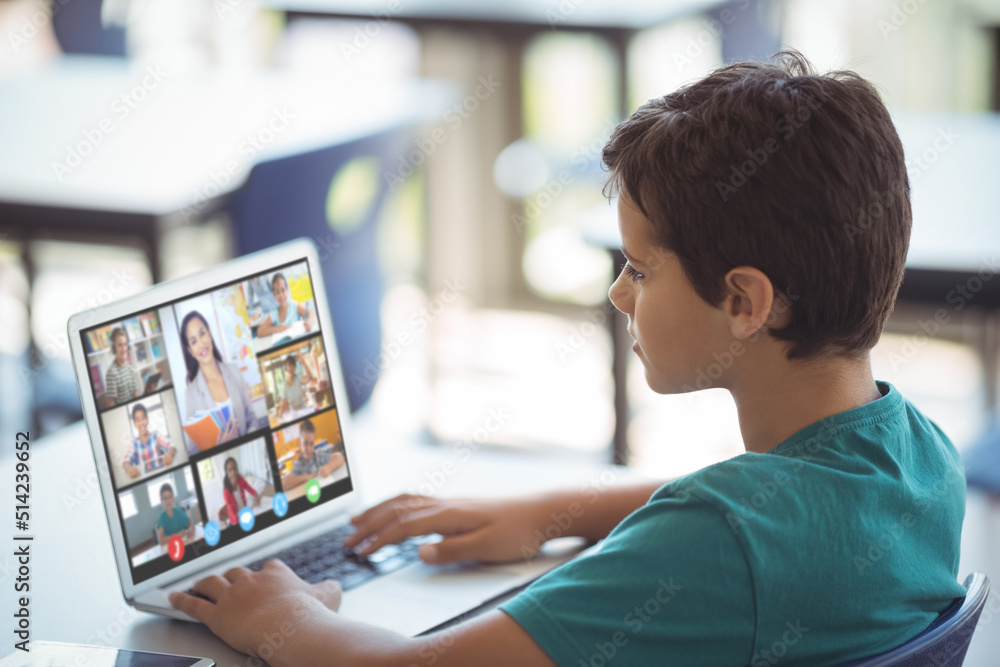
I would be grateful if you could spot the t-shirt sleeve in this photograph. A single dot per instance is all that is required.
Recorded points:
(670, 585)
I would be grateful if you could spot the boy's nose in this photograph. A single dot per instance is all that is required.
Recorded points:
(618, 294)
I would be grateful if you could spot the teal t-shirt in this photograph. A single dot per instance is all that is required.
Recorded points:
(839, 543)
(175, 524)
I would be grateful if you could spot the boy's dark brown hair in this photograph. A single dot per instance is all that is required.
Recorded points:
(773, 166)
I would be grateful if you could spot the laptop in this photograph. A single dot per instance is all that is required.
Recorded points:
(245, 455)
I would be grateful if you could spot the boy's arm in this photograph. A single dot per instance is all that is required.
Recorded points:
(239, 617)
(336, 460)
(497, 529)
(293, 480)
(597, 510)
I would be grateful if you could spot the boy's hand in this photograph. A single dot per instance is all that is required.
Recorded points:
(251, 605)
(484, 530)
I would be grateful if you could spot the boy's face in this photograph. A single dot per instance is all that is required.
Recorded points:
(141, 422)
(308, 443)
(121, 350)
(167, 500)
(675, 331)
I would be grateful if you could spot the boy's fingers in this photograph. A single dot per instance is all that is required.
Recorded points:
(212, 587)
(467, 546)
(196, 608)
(380, 508)
(375, 519)
(418, 523)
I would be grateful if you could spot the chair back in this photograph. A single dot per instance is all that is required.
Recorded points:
(289, 197)
(945, 642)
(79, 29)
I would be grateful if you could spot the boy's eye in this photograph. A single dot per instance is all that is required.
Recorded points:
(632, 273)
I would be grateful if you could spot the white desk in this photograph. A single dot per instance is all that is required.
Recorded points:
(262, 344)
(75, 594)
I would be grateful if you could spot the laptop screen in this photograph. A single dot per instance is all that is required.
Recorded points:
(217, 415)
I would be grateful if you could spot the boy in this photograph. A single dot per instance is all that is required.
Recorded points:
(148, 448)
(172, 520)
(121, 380)
(834, 537)
(310, 464)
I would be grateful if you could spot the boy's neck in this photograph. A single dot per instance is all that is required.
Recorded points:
(786, 397)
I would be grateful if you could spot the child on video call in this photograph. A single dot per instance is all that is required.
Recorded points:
(172, 520)
(310, 464)
(738, 199)
(148, 448)
(287, 312)
(235, 490)
(121, 380)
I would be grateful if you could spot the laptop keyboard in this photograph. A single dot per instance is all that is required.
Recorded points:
(325, 557)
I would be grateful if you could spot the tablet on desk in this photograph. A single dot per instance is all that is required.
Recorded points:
(58, 654)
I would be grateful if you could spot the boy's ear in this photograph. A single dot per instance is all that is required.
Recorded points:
(749, 301)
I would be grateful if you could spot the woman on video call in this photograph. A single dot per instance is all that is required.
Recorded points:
(211, 381)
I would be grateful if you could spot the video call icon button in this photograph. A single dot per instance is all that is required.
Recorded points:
(175, 548)
(211, 533)
(312, 490)
(280, 504)
(246, 519)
